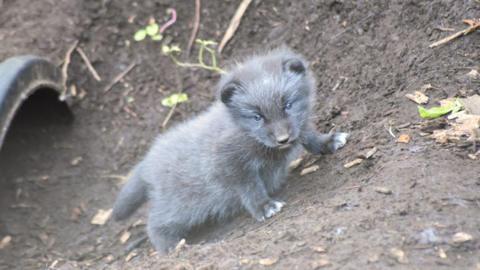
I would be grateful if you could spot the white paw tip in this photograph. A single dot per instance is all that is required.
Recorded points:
(340, 139)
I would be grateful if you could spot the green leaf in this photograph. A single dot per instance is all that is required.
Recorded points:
(174, 99)
(152, 29)
(157, 37)
(175, 48)
(435, 112)
(140, 35)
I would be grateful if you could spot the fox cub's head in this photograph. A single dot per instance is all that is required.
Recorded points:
(270, 96)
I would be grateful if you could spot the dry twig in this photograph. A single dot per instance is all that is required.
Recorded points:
(234, 23)
(474, 25)
(66, 63)
(119, 77)
(196, 24)
(89, 65)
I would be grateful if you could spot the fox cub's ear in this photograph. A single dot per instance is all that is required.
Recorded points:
(227, 92)
(294, 65)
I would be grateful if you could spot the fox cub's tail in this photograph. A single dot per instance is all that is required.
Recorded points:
(131, 197)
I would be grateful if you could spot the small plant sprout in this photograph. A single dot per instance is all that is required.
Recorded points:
(171, 51)
(174, 99)
(153, 30)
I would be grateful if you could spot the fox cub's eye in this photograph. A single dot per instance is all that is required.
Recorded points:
(257, 117)
(288, 106)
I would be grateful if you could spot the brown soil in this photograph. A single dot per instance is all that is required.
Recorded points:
(366, 55)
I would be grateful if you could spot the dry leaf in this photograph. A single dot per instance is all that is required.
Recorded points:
(383, 190)
(5, 241)
(76, 213)
(441, 253)
(471, 104)
(310, 169)
(403, 138)
(399, 255)
(353, 163)
(418, 97)
(101, 217)
(461, 237)
(125, 236)
(268, 261)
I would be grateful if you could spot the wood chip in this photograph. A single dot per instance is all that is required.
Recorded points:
(441, 253)
(180, 244)
(131, 255)
(101, 217)
(472, 156)
(310, 169)
(125, 236)
(461, 237)
(473, 74)
(418, 97)
(373, 258)
(295, 164)
(76, 161)
(353, 163)
(369, 153)
(321, 263)
(319, 249)
(268, 261)
(244, 261)
(398, 255)
(403, 138)
(5, 241)
(383, 190)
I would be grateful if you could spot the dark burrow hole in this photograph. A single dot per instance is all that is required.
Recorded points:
(32, 135)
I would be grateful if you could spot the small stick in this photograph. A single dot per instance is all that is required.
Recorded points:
(234, 23)
(172, 110)
(196, 24)
(89, 65)
(169, 115)
(119, 77)
(474, 25)
(66, 63)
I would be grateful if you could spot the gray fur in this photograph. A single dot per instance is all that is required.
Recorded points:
(228, 158)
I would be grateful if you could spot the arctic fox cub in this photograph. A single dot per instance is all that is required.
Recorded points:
(234, 155)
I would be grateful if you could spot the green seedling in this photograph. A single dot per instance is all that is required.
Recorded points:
(173, 50)
(435, 112)
(152, 30)
(174, 99)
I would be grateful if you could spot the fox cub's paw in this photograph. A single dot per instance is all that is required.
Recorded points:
(339, 139)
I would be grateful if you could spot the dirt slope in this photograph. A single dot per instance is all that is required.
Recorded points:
(366, 55)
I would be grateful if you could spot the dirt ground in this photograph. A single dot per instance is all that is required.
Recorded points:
(55, 173)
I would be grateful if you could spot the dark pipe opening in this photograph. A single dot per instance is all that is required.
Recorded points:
(36, 126)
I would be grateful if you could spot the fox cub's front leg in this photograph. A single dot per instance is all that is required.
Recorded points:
(321, 143)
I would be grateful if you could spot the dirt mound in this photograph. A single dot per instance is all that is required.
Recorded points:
(402, 208)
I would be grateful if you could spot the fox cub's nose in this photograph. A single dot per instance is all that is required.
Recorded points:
(283, 139)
